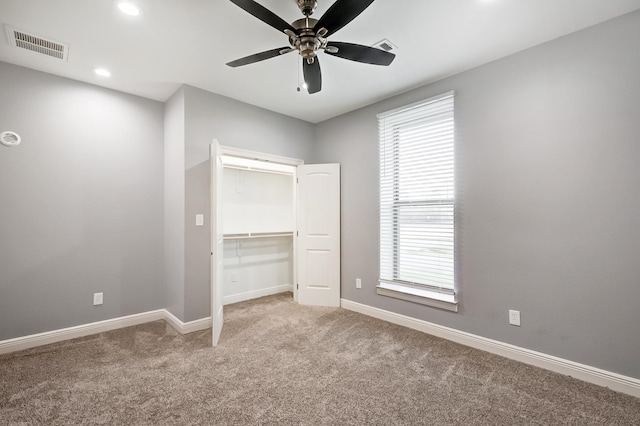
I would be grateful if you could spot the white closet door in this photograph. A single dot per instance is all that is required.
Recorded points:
(217, 240)
(318, 256)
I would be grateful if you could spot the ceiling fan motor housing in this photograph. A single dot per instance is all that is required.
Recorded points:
(307, 42)
(307, 7)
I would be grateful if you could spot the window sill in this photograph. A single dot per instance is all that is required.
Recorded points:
(417, 295)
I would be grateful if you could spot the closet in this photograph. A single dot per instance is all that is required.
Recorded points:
(275, 227)
(258, 212)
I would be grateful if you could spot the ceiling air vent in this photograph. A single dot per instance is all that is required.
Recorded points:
(386, 45)
(26, 40)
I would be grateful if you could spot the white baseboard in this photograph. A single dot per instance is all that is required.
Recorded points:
(187, 327)
(33, 340)
(241, 297)
(54, 336)
(614, 381)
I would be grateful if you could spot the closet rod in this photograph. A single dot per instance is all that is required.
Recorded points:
(251, 235)
(251, 169)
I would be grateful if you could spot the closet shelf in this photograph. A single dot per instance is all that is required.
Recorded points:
(251, 235)
(258, 170)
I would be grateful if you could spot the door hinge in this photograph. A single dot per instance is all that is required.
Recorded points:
(297, 286)
(297, 233)
(297, 180)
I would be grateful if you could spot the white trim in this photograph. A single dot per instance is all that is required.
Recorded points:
(253, 235)
(255, 155)
(418, 295)
(54, 336)
(33, 340)
(254, 294)
(614, 381)
(187, 327)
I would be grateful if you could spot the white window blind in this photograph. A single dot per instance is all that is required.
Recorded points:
(417, 194)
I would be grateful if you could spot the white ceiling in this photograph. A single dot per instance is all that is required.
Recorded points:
(189, 41)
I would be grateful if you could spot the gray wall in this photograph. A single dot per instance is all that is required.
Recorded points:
(548, 195)
(80, 203)
(174, 203)
(236, 124)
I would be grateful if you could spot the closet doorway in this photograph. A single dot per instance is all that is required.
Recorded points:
(275, 227)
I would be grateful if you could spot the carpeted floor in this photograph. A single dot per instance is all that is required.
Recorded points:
(280, 363)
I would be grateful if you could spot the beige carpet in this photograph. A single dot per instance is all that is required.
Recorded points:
(279, 363)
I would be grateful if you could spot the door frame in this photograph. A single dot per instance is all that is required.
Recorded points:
(215, 184)
(260, 156)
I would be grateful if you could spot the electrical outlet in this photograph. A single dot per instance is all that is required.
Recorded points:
(514, 317)
(234, 277)
(97, 299)
(358, 283)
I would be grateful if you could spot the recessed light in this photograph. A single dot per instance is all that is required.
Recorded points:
(102, 72)
(129, 8)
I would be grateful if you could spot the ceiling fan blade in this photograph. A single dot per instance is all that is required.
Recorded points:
(360, 53)
(312, 75)
(264, 14)
(341, 13)
(259, 57)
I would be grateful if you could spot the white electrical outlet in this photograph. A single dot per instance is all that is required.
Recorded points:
(358, 283)
(514, 317)
(97, 299)
(234, 277)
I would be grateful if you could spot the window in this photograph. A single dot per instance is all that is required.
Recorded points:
(417, 202)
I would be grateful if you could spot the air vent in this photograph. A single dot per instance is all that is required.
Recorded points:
(29, 41)
(386, 45)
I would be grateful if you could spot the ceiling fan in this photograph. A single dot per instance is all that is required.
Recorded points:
(308, 36)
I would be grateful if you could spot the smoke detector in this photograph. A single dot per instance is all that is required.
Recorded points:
(10, 139)
(35, 43)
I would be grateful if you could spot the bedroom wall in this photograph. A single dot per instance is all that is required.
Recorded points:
(547, 145)
(174, 205)
(80, 203)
